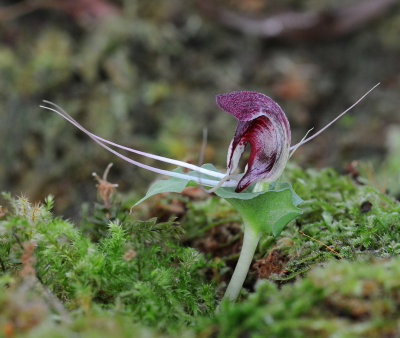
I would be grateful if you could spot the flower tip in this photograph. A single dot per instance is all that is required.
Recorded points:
(246, 105)
(241, 186)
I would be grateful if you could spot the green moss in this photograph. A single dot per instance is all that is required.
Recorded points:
(344, 299)
(138, 269)
(119, 274)
(352, 218)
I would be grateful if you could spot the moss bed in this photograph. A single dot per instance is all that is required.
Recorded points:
(333, 271)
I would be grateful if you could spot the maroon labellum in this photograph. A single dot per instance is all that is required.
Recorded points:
(262, 124)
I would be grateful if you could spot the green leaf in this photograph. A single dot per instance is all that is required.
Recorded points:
(270, 210)
(174, 184)
(265, 211)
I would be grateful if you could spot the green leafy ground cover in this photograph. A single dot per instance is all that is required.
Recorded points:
(115, 274)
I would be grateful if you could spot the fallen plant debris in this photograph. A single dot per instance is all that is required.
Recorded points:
(105, 189)
(352, 169)
(129, 255)
(325, 245)
(273, 263)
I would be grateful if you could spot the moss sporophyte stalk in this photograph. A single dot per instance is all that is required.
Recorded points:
(265, 204)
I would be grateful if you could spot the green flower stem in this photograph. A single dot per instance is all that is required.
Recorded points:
(250, 242)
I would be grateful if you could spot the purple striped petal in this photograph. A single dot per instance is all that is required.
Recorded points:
(262, 124)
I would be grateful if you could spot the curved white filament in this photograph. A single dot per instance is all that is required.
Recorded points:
(299, 144)
(334, 120)
(100, 141)
(69, 118)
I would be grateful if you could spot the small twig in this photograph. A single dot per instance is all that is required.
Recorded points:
(328, 247)
(203, 146)
(201, 159)
(105, 189)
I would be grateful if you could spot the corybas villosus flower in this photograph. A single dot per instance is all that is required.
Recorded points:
(263, 125)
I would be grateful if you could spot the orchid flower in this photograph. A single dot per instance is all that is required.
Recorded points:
(261, 122)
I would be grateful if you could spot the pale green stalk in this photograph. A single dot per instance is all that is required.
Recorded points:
(250, 242)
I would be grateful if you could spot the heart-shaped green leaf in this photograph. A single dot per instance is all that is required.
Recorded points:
(265, 211)
(270, 210)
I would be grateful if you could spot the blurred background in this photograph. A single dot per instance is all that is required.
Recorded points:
(145, 74)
